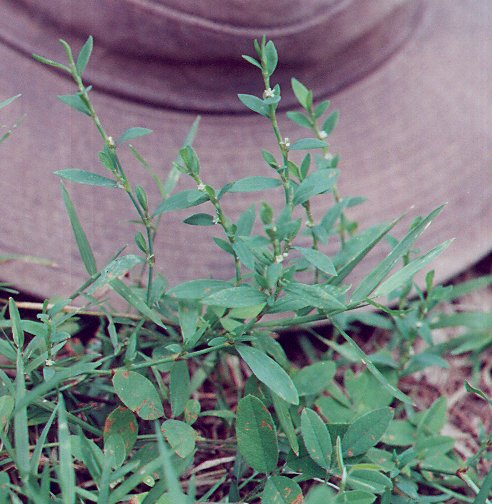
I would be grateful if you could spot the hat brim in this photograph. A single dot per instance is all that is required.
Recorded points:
(414, 133)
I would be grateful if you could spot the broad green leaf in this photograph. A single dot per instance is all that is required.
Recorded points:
(253, 184)
(84, 55)
(322, 108)
(318, 260)
(256, 435)
(182, 200)
(192, 411)
(408, 271)
(198, 289)
(6, 408)
(285, 419)
(122, 421)
(255, 104)
(236, 297)
(331, 122)
(8, 101)
(314, 295)
(301, 92)
(180, 436)
(314, 379)
(355, 497)
(179, 385)
(138, 393)
(318, 182)
(200, 219)
(377, 275)
(370, 481)
(435, 418)
(300, 118)
(80, 236)
(117, 268)
(17, 330)
(269, 372)
(76, 102)
(132, 133)
(316, 438)
(366, 432)
(66, 472)
(271, 57)
(87, 178)
(136, 301)
(114, 449)
(308, 143)
(282, 490)
(400, 433)
(189, 313)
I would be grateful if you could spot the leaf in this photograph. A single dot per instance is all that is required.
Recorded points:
(318, 182)
(308, 143)
(84, 55)
(179, 386)
(181, 200)
(316, 438)
(253, 184)
(299, 118)
(435, 418)
(198, 289)
(122, 422)
(117, 268)
(331, 122)
(21, 431)
(301, 92)
(137, 302)
(372, 481)
(366, 432)
(271, 57)
(251, 60)
(200, 219)
(80, 236)
(86, 177)
(66, 472)
(132, 133)
(282, 490)
(189, 314)
(6, 408)
(314, 379)
(314, 295)
(255, 104)
(355, 497)
(236, 297)
(408, 271)
(376, 276)
(483, 494)
(76, 102)
(478, 392)
(17, 331)
(8, 101)
(256, 435)
(285, 419)
(138, 393)
(270, 373)
(180, 436)
(318, 260)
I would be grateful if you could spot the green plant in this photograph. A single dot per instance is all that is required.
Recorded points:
(193, 379)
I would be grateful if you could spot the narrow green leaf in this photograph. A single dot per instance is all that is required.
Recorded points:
(6, 408)
(355, 497)
(76, 102)
(200, 219)
(483, 494)
(285, 419)
(270, 373)
(17, 331)
(138, 393)
(331, 122)
(376, 276)
(322, 108)
(308, 143)
(51, 62)
(117, 268)
(253, 184)
(366, 432)
(318, 182)
(180, 436)
(316, 438)
(301, 92)
(318, 260)
(478, 392)
(313, 295)
(21, 431)
(38, 449)
(256, 435)
(86, 177)
(66, 472)
(136, 301)
(236, 297)
(182, 200)
(84, 55)
(282, 490)
(8, 101)
(408, 271)
(255, 104)
(80, 236)
(132, 133)
(271, 57)
(300, 118)
(251, 60)
(179, 385)
(198, 289)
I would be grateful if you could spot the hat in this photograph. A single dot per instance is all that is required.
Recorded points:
(410, 78)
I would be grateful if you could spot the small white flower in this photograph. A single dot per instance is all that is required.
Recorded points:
(279, 258)
(323, 134)
(111, 141)
(328, 156)
(285, 255)
(215, 220)
(201, 187)
(309, 224)
(268, 93)
(285, 142)
(49, 362)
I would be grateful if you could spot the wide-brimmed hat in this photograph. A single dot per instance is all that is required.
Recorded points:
(412, 81)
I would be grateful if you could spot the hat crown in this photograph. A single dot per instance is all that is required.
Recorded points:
(185, 54)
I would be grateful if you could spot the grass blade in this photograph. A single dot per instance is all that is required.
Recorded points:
(66, 471)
